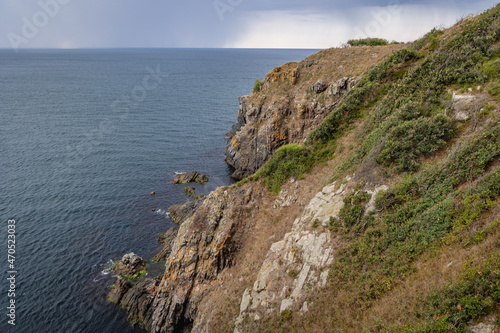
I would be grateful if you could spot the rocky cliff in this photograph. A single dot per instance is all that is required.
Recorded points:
(397, 231)
(292, 100)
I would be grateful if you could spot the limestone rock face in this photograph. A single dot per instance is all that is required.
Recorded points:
(130, 264)
(190, 177)
(482, 328)
(298, 264)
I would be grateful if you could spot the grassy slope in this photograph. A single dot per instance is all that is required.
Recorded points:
(444, 197)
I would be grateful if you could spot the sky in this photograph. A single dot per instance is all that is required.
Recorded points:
(311, 24)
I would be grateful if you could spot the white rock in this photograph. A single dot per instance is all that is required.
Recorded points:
(286, 304)
(300, 281)
(482, 328)
(246, 299)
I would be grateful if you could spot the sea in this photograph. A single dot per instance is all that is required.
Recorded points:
(85, 137)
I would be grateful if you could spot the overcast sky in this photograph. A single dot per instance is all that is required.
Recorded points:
(314, 24)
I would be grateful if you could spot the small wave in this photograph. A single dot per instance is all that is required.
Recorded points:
(106, 270)
(161, 212)
(179, 172)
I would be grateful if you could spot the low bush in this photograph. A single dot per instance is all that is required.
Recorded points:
(367, 42)
(406, 142)
(256, 87)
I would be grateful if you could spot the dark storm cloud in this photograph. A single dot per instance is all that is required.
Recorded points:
(216, 23)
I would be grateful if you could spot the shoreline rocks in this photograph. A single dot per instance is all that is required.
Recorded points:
(190, 177)
(129, 265)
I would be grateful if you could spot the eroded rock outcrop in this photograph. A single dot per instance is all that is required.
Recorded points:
(181, 212)
(199, 256)
(130, 264)
(190, 177)
(263, 126)
(297, 265)
(204, 246)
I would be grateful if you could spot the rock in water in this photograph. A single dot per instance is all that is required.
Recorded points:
(190, 177)
(119, 289)
(130, 264)
(190, 192)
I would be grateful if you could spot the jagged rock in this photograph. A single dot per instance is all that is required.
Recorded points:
(138, 300)
(263, 127)
(120, 287)
(190, 177)
(190, 192)
(285, 199)
(130, 264)
(167, 239)
(319, 87)
(461, 106)
(310, 63)
(205, 245)
(179, 213)
(343, 85)
(461, 116)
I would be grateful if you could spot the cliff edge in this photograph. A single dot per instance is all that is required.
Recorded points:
(372, 202)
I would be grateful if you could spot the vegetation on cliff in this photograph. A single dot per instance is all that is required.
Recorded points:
(405, 235)
(445, 176)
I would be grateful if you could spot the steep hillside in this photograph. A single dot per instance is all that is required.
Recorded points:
(377, 211)
(292, 100)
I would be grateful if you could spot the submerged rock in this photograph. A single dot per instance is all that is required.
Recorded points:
(130, 264)
(190, 177)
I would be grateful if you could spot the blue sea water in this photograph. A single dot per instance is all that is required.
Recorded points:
(85, 136)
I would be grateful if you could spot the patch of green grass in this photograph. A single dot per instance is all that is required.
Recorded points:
(494, 89)
(492, 68)
(475, 295)
(290, 160)
(293, 273)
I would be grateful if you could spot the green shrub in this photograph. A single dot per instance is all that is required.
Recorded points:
(354, 208)
(256, 86)
(431, 39)
(368, 42)
(406, 142)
